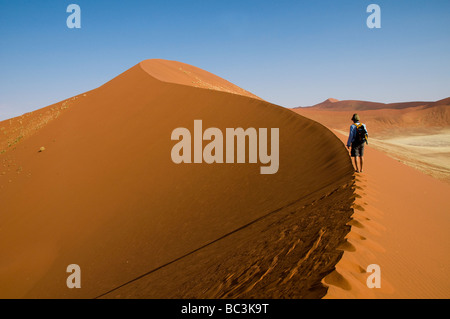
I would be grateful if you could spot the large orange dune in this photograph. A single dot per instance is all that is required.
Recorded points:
(94, 185)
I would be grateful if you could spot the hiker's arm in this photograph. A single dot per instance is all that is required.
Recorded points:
(350, 137)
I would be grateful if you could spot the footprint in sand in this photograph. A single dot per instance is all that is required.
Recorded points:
(355, 223)
(336, 279)
(346, 246)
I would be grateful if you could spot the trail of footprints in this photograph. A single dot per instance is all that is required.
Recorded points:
(360, 243)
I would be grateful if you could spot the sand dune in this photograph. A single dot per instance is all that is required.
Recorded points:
(104, 194)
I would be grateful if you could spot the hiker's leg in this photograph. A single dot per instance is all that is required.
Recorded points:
(356, 163)
(361, 161)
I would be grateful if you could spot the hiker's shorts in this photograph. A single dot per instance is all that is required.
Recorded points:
(357, 150)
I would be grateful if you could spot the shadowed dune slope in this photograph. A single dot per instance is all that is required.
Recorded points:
(105, 194)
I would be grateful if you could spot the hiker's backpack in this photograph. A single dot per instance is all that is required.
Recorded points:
(361, 134)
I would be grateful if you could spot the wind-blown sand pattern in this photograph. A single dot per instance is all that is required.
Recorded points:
(96, 187)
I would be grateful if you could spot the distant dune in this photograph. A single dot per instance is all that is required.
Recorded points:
(91, 182)
(382, 117)
(345, 105)
(416, 133)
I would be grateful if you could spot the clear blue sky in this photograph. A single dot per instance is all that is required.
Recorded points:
(290, 53)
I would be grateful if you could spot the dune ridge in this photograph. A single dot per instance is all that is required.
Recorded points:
(400, 223)
(104, 194)
(400, 217)
(185, 74)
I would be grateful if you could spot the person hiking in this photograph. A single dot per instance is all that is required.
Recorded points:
(356, 140)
